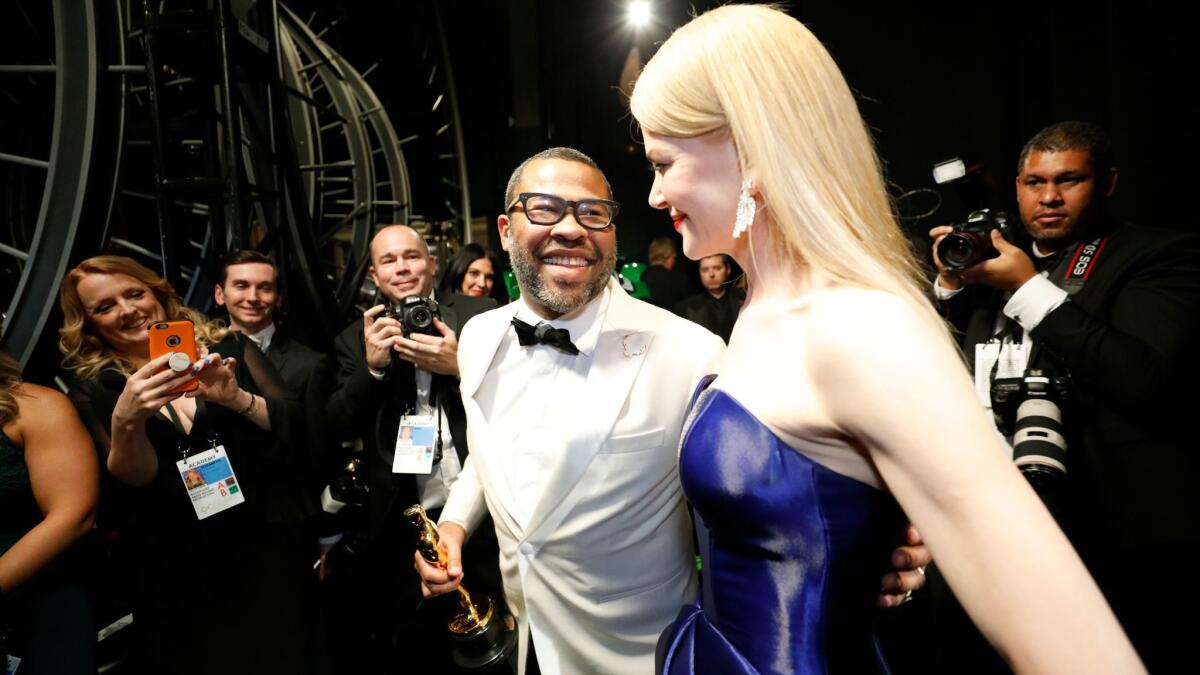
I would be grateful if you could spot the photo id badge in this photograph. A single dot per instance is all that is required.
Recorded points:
(210, 483)
(985, 357)
(414, 444)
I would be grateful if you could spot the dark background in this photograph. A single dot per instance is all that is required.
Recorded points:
(934, 81)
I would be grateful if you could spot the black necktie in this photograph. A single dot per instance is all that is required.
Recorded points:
(545, 334)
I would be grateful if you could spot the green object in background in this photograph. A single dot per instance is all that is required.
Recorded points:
(633, 272)
(629, 271)
(510, 283)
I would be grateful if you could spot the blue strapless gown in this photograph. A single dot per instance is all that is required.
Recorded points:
(792, 554)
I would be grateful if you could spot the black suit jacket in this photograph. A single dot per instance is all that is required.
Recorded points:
(667, 287)
(363, 406)
(305, 373)
(1128, 339)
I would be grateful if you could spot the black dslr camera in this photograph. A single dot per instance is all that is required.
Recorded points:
(1028, 408)
(971, 242)
(416, 314)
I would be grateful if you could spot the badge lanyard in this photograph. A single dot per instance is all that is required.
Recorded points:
(184, 445)
(208, 476)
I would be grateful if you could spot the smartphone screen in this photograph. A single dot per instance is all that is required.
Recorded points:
(174, 336)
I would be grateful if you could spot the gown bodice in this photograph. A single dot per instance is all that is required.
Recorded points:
(792, 553)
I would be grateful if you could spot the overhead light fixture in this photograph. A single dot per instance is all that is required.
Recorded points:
(638, 13)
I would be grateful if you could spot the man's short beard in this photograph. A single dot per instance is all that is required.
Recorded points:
(525, 268)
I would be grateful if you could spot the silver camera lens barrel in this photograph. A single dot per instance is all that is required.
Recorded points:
(1038, 439)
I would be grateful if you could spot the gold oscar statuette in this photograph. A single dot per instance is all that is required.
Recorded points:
(483, 639)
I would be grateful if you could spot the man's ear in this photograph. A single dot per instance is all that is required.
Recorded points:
(503, 224)
(1111, 182)
(219, 295)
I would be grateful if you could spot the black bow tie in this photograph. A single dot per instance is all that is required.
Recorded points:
(545, 334)
(1049, 262)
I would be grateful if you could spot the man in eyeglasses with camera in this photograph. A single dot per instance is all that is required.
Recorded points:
(397, 377)
(1101, 318)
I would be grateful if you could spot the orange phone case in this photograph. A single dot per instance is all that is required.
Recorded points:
(174, 336)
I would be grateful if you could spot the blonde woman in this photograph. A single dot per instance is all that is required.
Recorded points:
(842, 398)
(48, 491)
(219, 543)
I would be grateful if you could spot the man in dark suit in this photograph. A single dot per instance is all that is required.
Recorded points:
(384, 377)
(1115, 308)
(717, 307)
(248, 288)
(667, 284)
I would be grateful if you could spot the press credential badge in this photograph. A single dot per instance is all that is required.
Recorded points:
(414, 444)
(210, 482)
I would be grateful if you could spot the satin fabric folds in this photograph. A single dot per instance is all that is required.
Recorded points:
(792, 554)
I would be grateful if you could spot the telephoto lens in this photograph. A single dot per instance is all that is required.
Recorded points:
(1039, 449)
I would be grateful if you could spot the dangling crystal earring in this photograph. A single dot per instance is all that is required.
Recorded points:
(745, 210)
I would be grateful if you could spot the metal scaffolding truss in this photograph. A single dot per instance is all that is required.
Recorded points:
(265, 136)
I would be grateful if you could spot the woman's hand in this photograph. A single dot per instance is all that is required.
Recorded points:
(148, 390)
(218, 381)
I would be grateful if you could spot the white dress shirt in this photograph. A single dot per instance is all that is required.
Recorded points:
(435, 486)
(529, 397)
(529, 394)
(263, 337)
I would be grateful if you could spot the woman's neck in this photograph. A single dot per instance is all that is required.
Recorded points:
(770, 275)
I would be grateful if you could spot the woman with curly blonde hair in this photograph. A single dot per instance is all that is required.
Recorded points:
(802, 464)
(241, 416)
(84, 351)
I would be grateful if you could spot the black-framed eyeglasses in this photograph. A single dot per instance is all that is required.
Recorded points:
(543, 209)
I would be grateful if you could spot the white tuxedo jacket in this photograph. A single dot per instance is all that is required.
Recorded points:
(607, 559)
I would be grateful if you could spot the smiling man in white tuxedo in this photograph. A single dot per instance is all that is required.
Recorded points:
(575, 396)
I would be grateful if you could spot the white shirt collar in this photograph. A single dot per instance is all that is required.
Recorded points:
(584, 327)
(263, 337)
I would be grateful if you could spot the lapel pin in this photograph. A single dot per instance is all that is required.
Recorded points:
(641, 349)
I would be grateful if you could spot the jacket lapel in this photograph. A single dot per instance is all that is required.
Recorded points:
(473, 366)
(618, 357)
(278, 352)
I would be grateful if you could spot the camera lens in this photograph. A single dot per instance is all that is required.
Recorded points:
(1038, 444)
(959, 250)
(420, 317)
(173, 340)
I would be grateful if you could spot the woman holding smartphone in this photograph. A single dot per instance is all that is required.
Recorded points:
(213, 541)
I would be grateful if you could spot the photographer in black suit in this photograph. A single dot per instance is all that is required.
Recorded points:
(383, 375)
(1112, 309)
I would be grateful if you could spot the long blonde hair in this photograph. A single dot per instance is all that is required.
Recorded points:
(760, 74)
(84, 353)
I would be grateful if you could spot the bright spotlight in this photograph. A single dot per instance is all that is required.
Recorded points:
(638, 13)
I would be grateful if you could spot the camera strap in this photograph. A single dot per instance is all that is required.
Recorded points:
(1072, 272)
